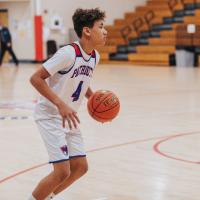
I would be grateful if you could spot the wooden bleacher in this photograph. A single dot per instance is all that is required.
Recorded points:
(159, 49)
(149, 58)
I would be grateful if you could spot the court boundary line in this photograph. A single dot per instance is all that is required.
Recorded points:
(157, 145)
(163, 138)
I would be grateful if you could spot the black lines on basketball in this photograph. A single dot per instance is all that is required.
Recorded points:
(103, 106)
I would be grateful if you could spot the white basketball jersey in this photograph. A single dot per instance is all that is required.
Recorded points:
(70, 84)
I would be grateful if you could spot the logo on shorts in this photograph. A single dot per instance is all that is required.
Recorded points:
(64, 149)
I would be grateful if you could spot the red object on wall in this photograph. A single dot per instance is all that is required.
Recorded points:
(38, 39)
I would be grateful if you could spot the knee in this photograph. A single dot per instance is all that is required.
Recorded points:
(61, 175)
(81, 168)
(84, 168)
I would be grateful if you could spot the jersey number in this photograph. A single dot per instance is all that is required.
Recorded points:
(76, 94)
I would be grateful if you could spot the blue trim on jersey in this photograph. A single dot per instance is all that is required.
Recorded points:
(65, 72)
(71, 157)
(62, 72)
(58, 161)
(88, 59)
(95, 58)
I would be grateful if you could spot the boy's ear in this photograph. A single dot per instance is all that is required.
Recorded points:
(86, 31)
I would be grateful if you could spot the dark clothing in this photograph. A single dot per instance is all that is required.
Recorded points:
(5, 35)
(5, 39)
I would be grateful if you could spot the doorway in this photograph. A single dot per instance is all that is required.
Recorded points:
(4, 20)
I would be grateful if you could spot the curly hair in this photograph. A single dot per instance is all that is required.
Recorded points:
(86, 18)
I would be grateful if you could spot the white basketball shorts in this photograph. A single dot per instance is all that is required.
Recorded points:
(61, 143)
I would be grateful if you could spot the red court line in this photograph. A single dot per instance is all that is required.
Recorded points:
(90, 151)
(124, 144)
(21, 172)
(95, 150)
(156, 147)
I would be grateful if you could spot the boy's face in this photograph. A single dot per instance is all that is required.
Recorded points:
(98, 33)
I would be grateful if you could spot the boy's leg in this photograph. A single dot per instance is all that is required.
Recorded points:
(79, 167)
(60, 148)
(78, 161)
(53, 136)
(50, 182)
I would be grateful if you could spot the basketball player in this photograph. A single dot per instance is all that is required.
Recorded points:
(63, 81)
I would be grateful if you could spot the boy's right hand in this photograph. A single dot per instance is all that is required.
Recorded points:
(68, 114)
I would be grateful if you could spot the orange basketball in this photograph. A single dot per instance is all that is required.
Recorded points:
(103, 106)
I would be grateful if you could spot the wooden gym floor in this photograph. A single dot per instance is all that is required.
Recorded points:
(150, 152)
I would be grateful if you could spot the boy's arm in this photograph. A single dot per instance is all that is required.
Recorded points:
(67, 113)
(89, 93)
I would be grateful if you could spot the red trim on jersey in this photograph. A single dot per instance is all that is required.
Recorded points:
(93, 54)
(77, 50)
(79, 54)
